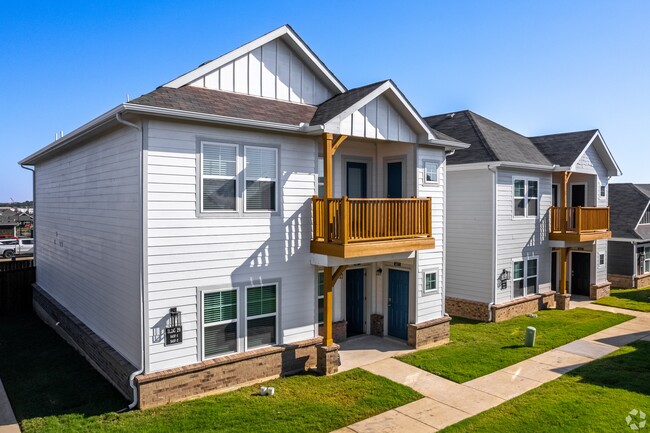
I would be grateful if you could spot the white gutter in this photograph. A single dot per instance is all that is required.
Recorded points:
(493, 169)
(496, 164)
(143, 331)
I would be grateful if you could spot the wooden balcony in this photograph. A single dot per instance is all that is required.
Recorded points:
(579, 224)
(358, 227)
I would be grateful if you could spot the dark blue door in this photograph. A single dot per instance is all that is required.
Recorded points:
(354, 301)
(357, 179)
(398, 303)
(394, 179)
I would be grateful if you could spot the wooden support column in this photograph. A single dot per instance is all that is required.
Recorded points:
(563, 270)
(565, 200)
(327, 306)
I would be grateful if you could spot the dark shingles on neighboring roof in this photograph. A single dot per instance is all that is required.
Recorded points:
(627, 204)
(489, 140)
(644, 188)
(227, 104)
(341, 102)
(442, 136)
(563, 149)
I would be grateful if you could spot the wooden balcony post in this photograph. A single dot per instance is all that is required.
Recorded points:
(344, 223)
(578, 219)
(327, 306)
(315, 217)
(563, 270)
(429, 216)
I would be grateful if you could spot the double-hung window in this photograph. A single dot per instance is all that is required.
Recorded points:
(219, 180)
(525, 196)
(524, 277)
(261, 315)
(219, 322)
(261, 178)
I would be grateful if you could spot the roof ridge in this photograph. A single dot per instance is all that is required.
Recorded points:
(480, 135)
(564, 133)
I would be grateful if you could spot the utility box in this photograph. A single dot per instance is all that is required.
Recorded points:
(531, 333)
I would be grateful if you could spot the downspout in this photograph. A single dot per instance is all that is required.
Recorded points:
(143, 333)
(493, 169)
(448, 153)
(33, 206)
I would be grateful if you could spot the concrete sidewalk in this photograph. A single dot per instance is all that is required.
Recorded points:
(8, 422)
(446, 402)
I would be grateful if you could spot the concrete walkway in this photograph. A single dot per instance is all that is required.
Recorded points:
(8, 422)
(446, 402)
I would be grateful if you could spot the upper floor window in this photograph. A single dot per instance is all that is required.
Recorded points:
(321, 177)
(261, 178)
(646, 217)
(525, 197)
(219, 180)
(431, 171)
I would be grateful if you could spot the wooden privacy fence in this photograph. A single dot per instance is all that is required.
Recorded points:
(348, 220)
(579, 219)
(16, 279)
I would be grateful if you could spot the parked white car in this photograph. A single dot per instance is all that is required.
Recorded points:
(16, 247)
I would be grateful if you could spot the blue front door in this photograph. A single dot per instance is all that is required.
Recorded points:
(398, 303)
(354, 300)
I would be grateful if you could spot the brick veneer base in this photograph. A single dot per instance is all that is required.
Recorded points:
(621, 280)
(521, 306)
(339, 331)
(598, 291)
(428, 334)
(467, 309)
(562, 301)
(328, 359)
(113, 366)
(642, 281)
(226, 372)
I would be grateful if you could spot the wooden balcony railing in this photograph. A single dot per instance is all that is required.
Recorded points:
(580, 223)
(346, 221)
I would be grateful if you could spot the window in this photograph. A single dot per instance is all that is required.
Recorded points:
(430, 282)
(219, 323)
(431, 171)
(261, 315)
(603, 191)
(320, 296)
(219, 180)
(646, 217)
(646, 260)
(601, 259)
(321, 177)
(525, 196)
(261, 178)
(524, 277)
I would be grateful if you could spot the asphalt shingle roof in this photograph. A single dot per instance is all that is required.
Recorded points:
(229, 104)
(563, 149)
(489, 140)
(341, 102)
(627, 202)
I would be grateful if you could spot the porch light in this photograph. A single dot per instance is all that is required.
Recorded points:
(174, 317)
(379, 271)
(503, 278)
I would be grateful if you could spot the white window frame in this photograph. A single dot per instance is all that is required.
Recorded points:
(204, 176)
(602, 188)
(424, 171)
(646, 261)
(426, 272)
(266, 179)
(602, 260)
(223, 322)
(319, 297)
(645, 219)
(525, 260)
(525, 197)
(261, 316)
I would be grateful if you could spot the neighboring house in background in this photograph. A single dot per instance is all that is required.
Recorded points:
(628, 262)
(522, 212)
(15, 223)
(175, 231)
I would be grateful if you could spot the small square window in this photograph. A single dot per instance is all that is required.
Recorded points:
(430, 282)
(603, 191)
(431, 171)
(601, 259)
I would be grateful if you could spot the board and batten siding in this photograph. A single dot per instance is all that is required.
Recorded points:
(378, 119)
(470, 234)
(186, 251)
(520, 238)
(430, 306)
(88, 242)
(272, 71)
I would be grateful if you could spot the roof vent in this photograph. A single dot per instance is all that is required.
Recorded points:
(451, 115)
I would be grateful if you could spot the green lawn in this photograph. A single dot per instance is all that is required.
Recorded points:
(53, 389)
(594, 398)
(632, 299)
(478, 348)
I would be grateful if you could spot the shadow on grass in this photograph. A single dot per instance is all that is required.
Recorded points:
(638, 295)
(45, 376)
(625, 369)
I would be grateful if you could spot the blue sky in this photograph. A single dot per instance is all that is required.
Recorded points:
(537, 67)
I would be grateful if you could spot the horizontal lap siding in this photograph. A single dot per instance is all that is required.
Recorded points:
(430, 306)
(185, 252)
(470, 213)
(519, 238)
(88, 245)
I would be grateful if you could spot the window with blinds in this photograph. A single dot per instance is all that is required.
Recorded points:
(261, 178)
(261, 315)
(219, 323)
(524, 277)
(525, 197)
(219, 177)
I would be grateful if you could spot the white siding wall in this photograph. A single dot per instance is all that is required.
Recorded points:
(88, 240)
(470, 231)
(601, 271)
(272, 71)
(186, 252)
(519, 238)
(378, 119)
(431, 305)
